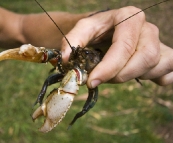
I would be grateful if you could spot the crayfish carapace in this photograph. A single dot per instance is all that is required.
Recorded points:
(72, 75)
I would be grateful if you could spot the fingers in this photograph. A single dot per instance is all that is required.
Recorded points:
(146, 56)
(86, 30)
(160, 72)
(135, 51)
(164, 80)
(89, 28)
(125, 40)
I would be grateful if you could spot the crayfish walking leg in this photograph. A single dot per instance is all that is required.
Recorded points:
(52, 79)
(90, 102)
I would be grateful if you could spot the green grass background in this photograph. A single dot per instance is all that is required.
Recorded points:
(124, 113)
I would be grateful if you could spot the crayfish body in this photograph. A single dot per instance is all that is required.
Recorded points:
(72, 75)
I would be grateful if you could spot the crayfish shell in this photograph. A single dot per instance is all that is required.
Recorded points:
(53, 112)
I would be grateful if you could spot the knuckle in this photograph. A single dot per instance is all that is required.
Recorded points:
(169, 64)
(151, 56)
(149, 61)
(86, 22)
(131, 10)
(128, 45)
(153, 28)
(119, 79)
(82, 21)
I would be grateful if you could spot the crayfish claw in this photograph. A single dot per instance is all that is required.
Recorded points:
(54, 109)
(48, 125)
(26, 52)
(38, 112)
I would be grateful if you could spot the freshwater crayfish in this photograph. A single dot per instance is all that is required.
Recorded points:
(80, 64)
(75, 73)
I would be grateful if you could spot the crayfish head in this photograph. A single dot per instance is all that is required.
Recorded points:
(92, 59)
(84, 58)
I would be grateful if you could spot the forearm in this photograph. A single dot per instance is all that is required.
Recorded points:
(39, 30)
(10, 25)
(36, 29)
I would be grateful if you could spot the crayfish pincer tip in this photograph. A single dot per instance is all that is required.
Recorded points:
(32, 118)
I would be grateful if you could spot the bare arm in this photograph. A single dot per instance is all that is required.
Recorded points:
(37, 29)
(10, 29)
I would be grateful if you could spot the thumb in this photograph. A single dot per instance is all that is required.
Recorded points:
(97, 76)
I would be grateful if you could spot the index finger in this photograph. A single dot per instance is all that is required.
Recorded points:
(86, 30)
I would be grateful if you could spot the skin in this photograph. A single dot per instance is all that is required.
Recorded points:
(133, 48)
(17, 29)
(135, 51)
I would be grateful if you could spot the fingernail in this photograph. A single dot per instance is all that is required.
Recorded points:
(95, 83)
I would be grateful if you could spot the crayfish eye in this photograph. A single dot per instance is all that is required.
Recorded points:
(86, 52)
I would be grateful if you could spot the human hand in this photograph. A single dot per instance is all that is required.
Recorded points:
(162, 73)
(134, 51)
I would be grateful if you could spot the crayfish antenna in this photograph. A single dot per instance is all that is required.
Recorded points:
(55, 24)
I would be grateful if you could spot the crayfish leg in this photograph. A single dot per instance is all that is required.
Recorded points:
(52, 79)
(90, 102)
(137, 80)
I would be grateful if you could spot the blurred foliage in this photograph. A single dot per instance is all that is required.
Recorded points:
(124, 112)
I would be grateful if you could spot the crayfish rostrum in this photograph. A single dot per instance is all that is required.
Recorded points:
(74, 73)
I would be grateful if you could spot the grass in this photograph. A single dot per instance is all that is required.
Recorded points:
(124, 112)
